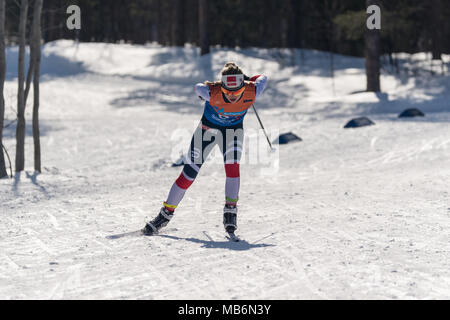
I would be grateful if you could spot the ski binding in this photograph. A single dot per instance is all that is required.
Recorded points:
(232, 237)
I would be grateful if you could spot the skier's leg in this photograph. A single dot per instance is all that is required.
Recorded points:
(181, 185)
(199, 150)
(232, 153)
(202, 143)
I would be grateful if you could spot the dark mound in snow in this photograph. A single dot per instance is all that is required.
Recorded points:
(359, 122)
(411, 113)
(287, 138)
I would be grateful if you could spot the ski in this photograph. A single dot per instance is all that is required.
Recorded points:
(137, 233)
(126, 234)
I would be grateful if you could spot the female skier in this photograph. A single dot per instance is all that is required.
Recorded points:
(227, 103)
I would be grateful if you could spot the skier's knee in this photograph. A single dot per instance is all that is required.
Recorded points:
(187, 176)
(184, 182)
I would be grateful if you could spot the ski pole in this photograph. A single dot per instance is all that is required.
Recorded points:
(262, 126)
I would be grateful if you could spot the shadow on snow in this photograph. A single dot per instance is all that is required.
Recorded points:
(44, 129)
(51, 65)
(235, 246)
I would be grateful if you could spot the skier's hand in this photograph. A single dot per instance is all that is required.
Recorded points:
(253, 79)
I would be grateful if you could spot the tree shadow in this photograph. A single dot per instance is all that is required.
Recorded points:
(436, 105)
(180, 98)
(33, 179)
(274, 97)
(177, 95)
(17, 178)
(303, 61)
(178, 65)
(44, 129)
(51, 65)
(210, 244)
(433, 109)
(172, 90)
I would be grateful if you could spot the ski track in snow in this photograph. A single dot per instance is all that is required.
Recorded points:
(350, 214)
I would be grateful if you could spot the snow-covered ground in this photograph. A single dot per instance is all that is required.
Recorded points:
(346, 214)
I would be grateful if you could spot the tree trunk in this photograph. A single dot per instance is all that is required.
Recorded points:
(156, 9)
(51, 24)
(178, 7)
(437, 27)
(331, 7)
(285, 23)
(373, 56)
(20, 132)
(29, 76)
(36, 41)
(203, 26)
(3, 172)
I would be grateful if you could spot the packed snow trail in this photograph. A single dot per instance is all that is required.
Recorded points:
(350, 214)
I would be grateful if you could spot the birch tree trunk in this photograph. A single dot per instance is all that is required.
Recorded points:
(3, 172)
(373, 48)
(203, 26)
(20, 132)
(36, 48)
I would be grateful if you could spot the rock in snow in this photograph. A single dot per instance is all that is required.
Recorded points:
(287, 138)
(411, 113)
(359, 122)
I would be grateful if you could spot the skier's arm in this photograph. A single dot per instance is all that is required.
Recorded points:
(260, 83)
(202, 90)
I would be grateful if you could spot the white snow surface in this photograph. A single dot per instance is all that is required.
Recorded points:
(349, 214)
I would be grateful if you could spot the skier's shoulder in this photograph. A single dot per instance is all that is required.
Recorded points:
(260, 78)
(213, 85)
(260, 84)
(203, 90)
(257, 78)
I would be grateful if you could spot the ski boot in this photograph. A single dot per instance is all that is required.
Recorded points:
(158, 223)
(230, 218)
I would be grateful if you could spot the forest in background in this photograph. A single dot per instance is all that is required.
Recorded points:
(338, 26)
